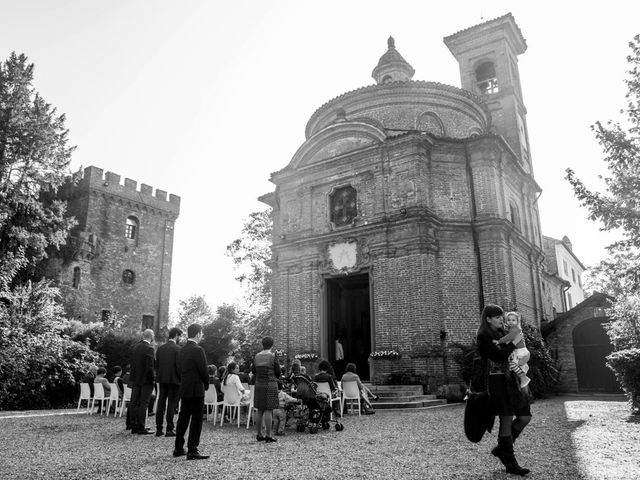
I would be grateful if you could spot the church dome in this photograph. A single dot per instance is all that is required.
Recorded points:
(399, 104)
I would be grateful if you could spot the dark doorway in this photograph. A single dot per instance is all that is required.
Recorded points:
(349, 318)
(591, 346)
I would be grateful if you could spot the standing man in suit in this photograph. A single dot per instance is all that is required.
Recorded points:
(194, 380)
(142, 378)
(168, 376)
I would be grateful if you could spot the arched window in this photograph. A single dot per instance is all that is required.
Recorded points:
(128, 277)
(76, 277)
(514, 216)
(386, 79)
(486, 79)
(343, 203)
(131, 228)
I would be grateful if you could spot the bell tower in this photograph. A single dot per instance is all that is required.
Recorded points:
(488, 59)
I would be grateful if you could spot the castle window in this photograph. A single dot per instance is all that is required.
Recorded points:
(514, 216)
(128, 277)
(76, 277)
(570, 301)
(566, 268)
(106, 316)
(486, 79)
(343, 204)
(386, 79)
(131, 228)
(573, 275)
(147, 321)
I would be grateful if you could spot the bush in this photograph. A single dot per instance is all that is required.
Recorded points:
(39, 364)
(115, 345)
(40, 371)
(626, 365)
(453, 393)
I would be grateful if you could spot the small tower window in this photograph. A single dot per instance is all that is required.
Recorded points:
(76, 277)
(131, 228)
(343, 204)
(386, 79)
(486, 79)
(147, 321)
(128, 277)
(514, 216)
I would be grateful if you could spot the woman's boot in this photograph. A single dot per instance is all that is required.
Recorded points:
(508, 458)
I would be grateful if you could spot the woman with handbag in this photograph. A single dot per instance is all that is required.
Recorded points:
(502, 384)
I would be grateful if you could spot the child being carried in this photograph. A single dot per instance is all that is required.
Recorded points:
(520, 356)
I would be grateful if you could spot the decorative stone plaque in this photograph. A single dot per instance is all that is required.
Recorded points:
(343, 255)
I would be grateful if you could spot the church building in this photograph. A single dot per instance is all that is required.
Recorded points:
(410, 205)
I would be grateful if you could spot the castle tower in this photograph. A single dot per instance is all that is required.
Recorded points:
(116, 265)
(488, 59)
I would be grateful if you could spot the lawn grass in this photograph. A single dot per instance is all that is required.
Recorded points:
(425, 444)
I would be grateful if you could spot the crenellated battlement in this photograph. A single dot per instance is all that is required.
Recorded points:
(94, 178)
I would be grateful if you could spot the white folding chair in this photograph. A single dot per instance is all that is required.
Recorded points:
(126, 398)
(232, 400)
(252, 409)
(350, 393)
(114, 396)
(211, 401)
(98, 394)
(323, 387)
(85, 394)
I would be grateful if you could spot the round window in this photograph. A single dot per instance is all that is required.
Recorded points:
(128, 277)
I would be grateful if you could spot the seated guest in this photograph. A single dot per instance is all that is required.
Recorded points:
(212, 370)
(350, 375)
(221, 371)
(90, 376)
(244, 374)
(231, 378)
(324, 375)
(100, 378)
(117, 379)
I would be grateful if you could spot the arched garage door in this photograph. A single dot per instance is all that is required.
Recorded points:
(591, 346)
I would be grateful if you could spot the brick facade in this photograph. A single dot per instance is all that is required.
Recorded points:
(99, 247)
(435, 231)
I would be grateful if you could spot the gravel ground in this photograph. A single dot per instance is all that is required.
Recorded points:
(568, 438)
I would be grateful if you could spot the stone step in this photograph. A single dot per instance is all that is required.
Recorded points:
(395, 388)
(401, 404)
(402, 398)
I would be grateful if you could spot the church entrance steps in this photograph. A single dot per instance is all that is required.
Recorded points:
(402, 397)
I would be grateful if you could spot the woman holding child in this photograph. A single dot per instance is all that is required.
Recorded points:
(503, 385)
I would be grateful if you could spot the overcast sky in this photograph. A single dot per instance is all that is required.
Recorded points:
(204, 99)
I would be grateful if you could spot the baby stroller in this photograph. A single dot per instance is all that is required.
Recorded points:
(315, 410)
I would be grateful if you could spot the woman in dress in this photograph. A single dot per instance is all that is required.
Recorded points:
(266, 370)
(507, 399)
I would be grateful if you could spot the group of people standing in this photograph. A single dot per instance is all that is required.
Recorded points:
(181, 374)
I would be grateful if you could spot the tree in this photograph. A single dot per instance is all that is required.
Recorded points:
(619, 209)
(220, 335)
(34, 158)
(250, 254)
(194, 309)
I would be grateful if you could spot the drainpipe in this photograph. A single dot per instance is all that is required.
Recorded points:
(474, 233)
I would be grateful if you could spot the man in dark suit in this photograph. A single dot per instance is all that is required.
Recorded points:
(194, 380)
(168, 376)
(142, 378)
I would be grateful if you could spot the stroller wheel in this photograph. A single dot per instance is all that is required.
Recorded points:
(300, 428)
(313, 429)
(339, 427)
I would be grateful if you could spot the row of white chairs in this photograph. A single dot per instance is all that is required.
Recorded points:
(100, 397)
(232, 400)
